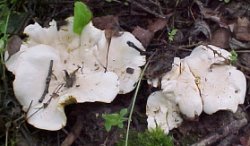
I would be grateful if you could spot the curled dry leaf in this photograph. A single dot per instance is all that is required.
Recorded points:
(200, 27)
(220, 38)
(234, 43)
(242, 29)
(213, 15)
(146, 35)
(13, 45)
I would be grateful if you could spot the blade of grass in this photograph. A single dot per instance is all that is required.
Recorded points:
(133, 102)
(3, 78)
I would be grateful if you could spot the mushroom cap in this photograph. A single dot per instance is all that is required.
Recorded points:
(125, 61)
(121, 59)
(77, 61)
(40, 35)
(222, 86)
(203, 81)
(179, 86)
(162, 112)
(30, 75)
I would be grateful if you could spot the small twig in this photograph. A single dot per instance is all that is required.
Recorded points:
(244, 69)
(157, 3)
(132, 45)
(242, 51)
(34, 113)
(6, 136)
(226, 60)
(245, 108)
(234, 126)
(146, 9)
(54, 94)
(48, 79)
(107, 54)
(29, 106)
(75, 132)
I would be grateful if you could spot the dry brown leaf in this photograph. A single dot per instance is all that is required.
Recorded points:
(200, 27)
(106, 22)
(220, 38)
(143, 35)
(146, 35)
(13, 45)
(157, 25)
(242, 29)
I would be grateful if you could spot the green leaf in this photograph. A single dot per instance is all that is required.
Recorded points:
(171, 34)
(82, 16)
(114, 119)
(107, 126)
(120, 125)
(233, 57)
(13, 1)
(1, 43)
(123, 112)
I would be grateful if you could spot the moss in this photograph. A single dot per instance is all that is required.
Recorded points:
(155, 137)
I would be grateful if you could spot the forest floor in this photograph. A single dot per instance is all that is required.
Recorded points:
(151, 21)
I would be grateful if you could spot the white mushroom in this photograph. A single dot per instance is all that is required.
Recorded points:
(121, 59)
(73, 69)
(222, 86)
(125, 61)
(162, 112)
(30, 76)
(203, 80)
(40, 35)
(179, 86)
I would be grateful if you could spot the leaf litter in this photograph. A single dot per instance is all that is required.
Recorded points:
(149, 22)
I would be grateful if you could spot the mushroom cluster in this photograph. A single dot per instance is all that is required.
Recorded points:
(203, 81)
(54, 68)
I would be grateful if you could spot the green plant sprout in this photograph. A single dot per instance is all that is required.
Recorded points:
(4, 21)
(171, 34)
(82, 16)
(153, 137)
(115, 119)
(233, 57)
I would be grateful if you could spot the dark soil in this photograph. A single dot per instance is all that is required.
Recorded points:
(198, 22)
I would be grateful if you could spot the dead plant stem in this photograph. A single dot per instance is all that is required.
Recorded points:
(133, 102)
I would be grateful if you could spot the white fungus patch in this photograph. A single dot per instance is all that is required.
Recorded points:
(202, 81)
(73, 68)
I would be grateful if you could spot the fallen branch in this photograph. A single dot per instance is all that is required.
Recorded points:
(146, 9)
(233, 127)
(75, 132)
